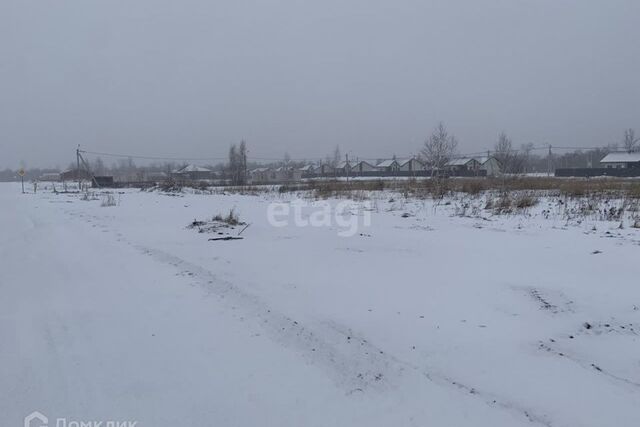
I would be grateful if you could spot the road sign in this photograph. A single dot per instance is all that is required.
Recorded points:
(21, 172)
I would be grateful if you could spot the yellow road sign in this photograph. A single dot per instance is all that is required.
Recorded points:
(21, 172)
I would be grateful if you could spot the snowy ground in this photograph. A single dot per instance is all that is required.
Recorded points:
(425, 319)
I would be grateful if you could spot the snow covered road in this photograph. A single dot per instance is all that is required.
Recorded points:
(121, 313)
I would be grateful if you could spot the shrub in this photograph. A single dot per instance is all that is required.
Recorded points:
(524, 201)
(108, 200)
(232, 218)
(503, 204)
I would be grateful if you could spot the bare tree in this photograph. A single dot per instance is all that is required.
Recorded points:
(511, 160)
(629, 142)
(233, 163)
(439, 148)
(525, 153)
(99, 167)
(242, 155)
(238, 163)
(336, 157)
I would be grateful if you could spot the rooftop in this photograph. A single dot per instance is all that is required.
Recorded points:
(621, 157)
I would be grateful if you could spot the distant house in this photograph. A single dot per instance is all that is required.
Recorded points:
(410, 165)
(271, 175)
(54, 176)
(193, 173)
(261, 175)
(390, 165)
(489, 164)
(74, 175)
(343, 168)
(155, 176)
(307, 170)
(621, 160)
(324, 169)
(285, 174)
(364, 166)
(462, 164)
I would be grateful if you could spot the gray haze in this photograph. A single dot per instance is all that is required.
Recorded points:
(186, 78)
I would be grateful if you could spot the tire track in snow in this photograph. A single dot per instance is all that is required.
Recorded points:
(362, 366)
(592, 367)
(356, 368)
(351, 361)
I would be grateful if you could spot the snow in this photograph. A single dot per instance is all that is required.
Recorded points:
(460, 161)
(386, 163)
(192, 168)
(429, 318)
(620, 157)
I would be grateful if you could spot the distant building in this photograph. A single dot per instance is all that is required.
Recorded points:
(410, 165)
(278, 175)
(489, 164)
(390, 165)
(307, 170)
(343, 168)
(462, 164)
(103, 181)
(193, 173)
(53, 177)
(364, 166)
(156, 176)
(74, 175)
(324, 169)
(286, 174)
(621, 160)
(262, 175)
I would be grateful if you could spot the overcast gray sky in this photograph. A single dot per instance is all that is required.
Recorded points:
(187, 78)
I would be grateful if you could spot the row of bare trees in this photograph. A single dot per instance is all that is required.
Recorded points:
(441, 147)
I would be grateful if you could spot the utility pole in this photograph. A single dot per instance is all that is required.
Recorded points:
(549, 162)
(78, 167)
(346, 165)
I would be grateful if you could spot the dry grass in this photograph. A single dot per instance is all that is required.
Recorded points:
(438, 188)
(232, 218)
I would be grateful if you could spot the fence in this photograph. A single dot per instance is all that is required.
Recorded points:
(589, 172)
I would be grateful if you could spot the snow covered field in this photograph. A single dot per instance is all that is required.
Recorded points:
(425, 317)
